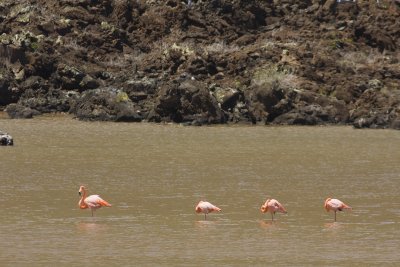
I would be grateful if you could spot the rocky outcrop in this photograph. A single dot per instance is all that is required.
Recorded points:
(17, 111)
(187, 102)
(265, 62)
(105, 104)
(6, 139)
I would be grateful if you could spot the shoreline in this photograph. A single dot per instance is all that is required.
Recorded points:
(67, 116)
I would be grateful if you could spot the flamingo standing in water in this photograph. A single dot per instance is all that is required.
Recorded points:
(335, 205)
(206, 207)
(93, 202)
(272, 206)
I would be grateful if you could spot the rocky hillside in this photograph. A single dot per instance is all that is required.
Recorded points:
(240, 61)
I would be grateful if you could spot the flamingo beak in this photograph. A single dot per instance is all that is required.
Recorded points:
(80, 194)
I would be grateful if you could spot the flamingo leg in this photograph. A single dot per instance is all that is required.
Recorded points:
(335, 215)
(92, 212)
(272, 214)
(205, 216)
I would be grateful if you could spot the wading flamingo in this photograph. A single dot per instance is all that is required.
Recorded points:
(206, 207)
(93, 202)
(335, 205)
(272, 206)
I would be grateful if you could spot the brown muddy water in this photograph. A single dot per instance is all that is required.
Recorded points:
(154, 175)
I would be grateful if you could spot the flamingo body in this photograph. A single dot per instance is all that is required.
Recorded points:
(272, 206)
(335, 205)
(206, 207)
(93, 202)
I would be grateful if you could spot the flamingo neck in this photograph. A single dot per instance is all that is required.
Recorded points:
(82, 203)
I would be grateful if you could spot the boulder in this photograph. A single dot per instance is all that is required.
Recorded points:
(6, 139)
(6, 94)
(396, 124)
(105, 104)
(45, 100)
(268, 101)
(189, 101)
(18, 111)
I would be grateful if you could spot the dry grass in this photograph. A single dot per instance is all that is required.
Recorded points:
(69, 43)
(220, 47)
(122, 60)
(359, 60)
(279, 44)
(163, 46)
(274, 74)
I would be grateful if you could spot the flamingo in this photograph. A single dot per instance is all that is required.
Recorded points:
(272, 206)
(93, 201)
(206, 207)
(335, 205)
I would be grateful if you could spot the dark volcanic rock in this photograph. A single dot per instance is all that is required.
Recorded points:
(268, 101)
(6, 139)
(245, 61)
(305, 115)
(105, 104)
(189, 101)
(17, 111)
(7, 95)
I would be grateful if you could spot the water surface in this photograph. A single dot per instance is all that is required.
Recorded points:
(154, 175)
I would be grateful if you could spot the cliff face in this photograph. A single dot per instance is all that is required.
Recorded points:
(217, 61)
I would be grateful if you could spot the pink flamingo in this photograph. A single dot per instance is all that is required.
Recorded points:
(272, 206)
(93, 201)
(335, 205)
(206, 207)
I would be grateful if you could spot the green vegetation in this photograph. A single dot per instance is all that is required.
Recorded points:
(122, 97)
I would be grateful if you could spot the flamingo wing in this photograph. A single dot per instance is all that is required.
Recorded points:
(336, 204)
(201, 207)
(275, 206)
(212, 207)
(206, 207)
(339, 204)
(279, 207)
(95, 201)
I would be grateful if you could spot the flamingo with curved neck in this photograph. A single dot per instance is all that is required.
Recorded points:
(206, 207)
(272, 206)
(335, 205)
(93, 202)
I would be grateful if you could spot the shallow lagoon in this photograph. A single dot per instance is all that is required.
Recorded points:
(154, 175)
